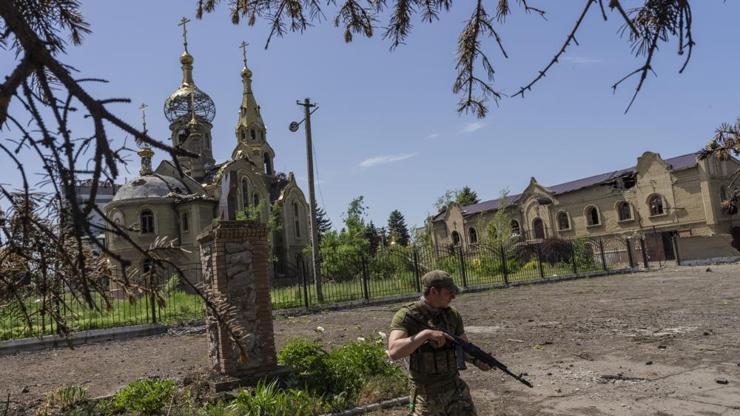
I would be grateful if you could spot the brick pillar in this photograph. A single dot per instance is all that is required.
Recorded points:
(235, 257)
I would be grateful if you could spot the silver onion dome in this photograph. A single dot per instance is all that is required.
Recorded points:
(186, 101)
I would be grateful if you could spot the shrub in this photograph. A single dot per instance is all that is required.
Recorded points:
(309, 360)
(340, 375)
(268, 400)
(68, 400)
(145, 397)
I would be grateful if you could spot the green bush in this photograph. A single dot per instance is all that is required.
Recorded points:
(309, 360)
(145, 397)
(268, 400)
(340, 375)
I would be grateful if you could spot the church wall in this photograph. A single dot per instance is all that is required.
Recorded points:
(691, 205)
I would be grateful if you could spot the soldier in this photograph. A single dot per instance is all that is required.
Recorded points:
(437, 389)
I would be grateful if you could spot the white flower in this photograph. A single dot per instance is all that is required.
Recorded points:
(382, 334)
(320, 329)
(361, 339)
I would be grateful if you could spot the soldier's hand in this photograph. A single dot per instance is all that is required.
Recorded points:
(438, 338)
(481, 365)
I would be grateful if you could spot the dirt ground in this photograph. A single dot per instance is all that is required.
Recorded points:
(658, 343)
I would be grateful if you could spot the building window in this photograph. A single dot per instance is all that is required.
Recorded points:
(244, 135)
(563, 221)
(515, 230)
(184, 222)
(146, 266)
(297, 220)
(473, 235)
(455, 238)
(538, 228)
(256, 200)
(592, 216)
(722, 194)
(252, 134)
(147, 222)
(268, 164)
(245, 193)
(624, 211)
(655, 203)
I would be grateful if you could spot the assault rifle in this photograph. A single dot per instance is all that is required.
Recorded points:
(461, 346)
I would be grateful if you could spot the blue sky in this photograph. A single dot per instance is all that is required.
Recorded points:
(387, 126)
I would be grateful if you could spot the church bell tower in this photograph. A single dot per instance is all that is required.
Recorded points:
(190, 112)
(251, 134)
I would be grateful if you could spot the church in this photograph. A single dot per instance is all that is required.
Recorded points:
(164, 203)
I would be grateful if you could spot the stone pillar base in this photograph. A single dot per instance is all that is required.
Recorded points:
(219, 383)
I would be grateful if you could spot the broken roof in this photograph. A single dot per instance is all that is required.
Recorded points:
(675, 164)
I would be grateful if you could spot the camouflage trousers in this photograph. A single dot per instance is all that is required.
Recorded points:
(448, 399)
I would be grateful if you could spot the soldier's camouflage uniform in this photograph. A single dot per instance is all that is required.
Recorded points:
(437, 389)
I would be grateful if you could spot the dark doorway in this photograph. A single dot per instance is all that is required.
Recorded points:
(538, 227)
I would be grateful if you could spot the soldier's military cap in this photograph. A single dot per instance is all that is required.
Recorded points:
(439, 279)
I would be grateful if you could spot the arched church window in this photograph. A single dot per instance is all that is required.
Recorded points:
(515, 230)
(253, 134)
(473, 235)
(244, 135)
(655, 203)
(592, 215)
(624, 211)
(563, 221)
(297, 217)
(147, 221)
(256, 200)
(245, 194)
(455, 238)
(184, 222)
(268, 164)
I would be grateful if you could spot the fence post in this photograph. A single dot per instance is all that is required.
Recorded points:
(674, 241)
(305, 284)
(365, 288)
(151, 297)
(503, 265)
(416, 270)
(462, 268)
(629, 253)
(539, 260)
(603, 257)
(573, 257)
(644, 253)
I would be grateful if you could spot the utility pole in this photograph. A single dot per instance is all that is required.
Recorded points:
(307, 106)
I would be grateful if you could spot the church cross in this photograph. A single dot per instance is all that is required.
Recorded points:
(183, 22)
(243, 46)
(143, 108)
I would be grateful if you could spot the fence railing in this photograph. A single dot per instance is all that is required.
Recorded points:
(346, 276)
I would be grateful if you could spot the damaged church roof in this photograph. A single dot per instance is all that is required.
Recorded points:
(677, 163)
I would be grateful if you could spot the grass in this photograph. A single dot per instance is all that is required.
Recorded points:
(183, 307)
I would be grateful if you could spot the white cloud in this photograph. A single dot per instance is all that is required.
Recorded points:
(582, 60)
(432, 136)
(380, 160)
(471, 127)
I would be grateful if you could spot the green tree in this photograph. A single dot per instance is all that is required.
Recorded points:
(498, 228)
(323, 223)
(466, 196)
(724, 144)
(444, 200)
(373, 237)
(397, 228)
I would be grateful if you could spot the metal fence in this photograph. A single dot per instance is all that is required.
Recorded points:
(390, 272)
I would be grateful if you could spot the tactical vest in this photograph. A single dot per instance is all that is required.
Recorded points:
(430, 365)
